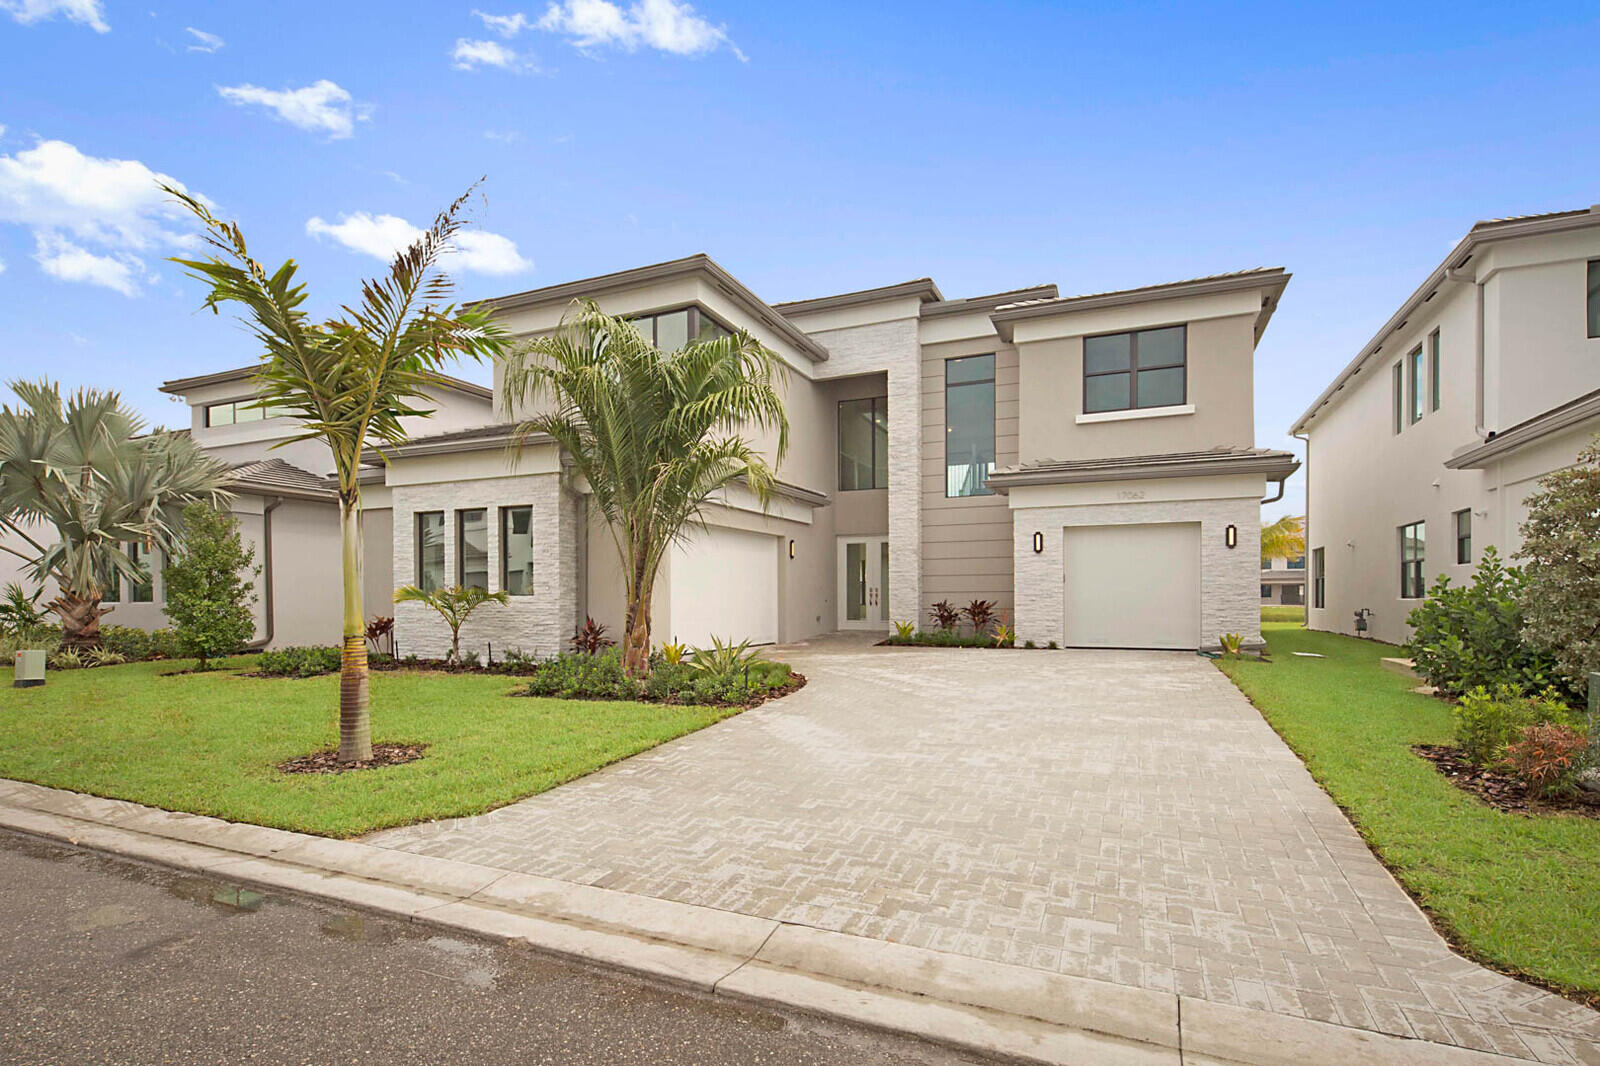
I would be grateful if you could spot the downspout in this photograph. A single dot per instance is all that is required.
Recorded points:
(1471, 278)
(266, 572)
(1305, 528)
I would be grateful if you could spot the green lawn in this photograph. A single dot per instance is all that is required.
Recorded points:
(1281, 613)
(210, 743)
(1518, 892)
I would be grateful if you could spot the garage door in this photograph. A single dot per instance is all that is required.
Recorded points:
(725, 583)
(1133, 586)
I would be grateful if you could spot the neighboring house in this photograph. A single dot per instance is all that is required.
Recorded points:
(1086, 462)
(1424, 450)
(287, 509)
(1283, 581)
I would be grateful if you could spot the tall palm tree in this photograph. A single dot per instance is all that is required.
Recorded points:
(1283, 539)
(656, 434)
(80, 481)
(350, 381)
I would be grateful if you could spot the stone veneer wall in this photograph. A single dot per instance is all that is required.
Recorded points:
(1229, 577)
(539, 624)
(892, 348)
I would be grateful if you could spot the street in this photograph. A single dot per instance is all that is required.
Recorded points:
(108, 961)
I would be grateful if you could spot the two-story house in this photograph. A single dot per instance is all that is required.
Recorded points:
(1087, 463)
(1283, 581)
(1424, 449)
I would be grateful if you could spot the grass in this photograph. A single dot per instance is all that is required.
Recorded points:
(210, 743)
(1521, 893)
(1283, 614)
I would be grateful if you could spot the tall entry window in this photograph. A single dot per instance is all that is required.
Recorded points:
(864, 444)
(516, 550)
(472, 549)
(968, 425)
(430, 550)
(1128, 371)
(1413, 539)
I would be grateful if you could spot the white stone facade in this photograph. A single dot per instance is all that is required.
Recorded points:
(539, 624)
(1229, 600)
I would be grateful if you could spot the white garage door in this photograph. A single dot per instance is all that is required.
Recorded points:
(725, 583)
(1133, 586)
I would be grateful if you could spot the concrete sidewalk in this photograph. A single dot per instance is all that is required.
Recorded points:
(994, 1008)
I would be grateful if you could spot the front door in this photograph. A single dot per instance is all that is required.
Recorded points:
(863, 583)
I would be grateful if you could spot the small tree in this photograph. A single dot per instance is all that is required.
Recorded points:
(1283, 539)
(209, 585)
(454, 604)
(1561, 546)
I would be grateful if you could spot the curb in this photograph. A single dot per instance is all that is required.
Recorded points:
(974, 1005)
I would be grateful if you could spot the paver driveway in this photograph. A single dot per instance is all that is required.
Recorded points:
(1126, 816)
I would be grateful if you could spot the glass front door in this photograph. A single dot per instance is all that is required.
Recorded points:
(863, 583)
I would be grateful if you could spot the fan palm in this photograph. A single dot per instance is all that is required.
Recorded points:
(79, 483)
(1283, 539)
(350, 381)
(656, 434)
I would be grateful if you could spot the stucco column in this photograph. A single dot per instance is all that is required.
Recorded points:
(905, 486)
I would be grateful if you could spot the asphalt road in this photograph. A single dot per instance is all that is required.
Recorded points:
(106, 961)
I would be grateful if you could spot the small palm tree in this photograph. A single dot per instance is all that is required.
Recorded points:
(84, 470)
(454, 604)
(655, 434)
(1283, 539)
(350, 381)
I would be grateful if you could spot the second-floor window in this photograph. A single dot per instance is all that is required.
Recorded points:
(1297, 563)
(1464, 536)
(671, 330)
(472, 548)
(968, 425)
(864, 444)
(1130, 371)
(1434, 354)
(1319, 579)
(430, 550)
(1414, 383)
(516, 550)
(1594, 297)
(233, 413)
(1399, 397)
(1413, 539)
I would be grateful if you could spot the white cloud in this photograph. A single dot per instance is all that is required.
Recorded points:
(322, 107)
(502, 136)
(381, 236)
(470, 55)
(506, 25)
(89, 12)
(60, 258)
(203, 41)
(666, 25)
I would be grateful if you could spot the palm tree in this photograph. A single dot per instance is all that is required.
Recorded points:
(455, 605)
(84, 470)
(1283, 539)
(655, 434)
(350, 381)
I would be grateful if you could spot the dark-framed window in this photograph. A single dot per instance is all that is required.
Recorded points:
(111, 586)
(1399, 397)
(516, 550)
(472, 548)
(1132, 371)
(968, 425)
(1414, 383)
(1319, 579)
(864, 444)
(1266, 592)
(1413, 541)
(143, 588)
(1464, 535)
(1594, 298)
(671, 330)
(234, 412)
(1297, 563)
(1434, 354)
(430, 550)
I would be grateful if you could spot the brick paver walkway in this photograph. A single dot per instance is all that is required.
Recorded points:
(1117, 815)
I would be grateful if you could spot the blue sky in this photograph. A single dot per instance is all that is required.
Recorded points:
(810, 148)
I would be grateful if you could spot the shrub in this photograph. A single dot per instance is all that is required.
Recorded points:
(1486, 722)
(946, 616)
(1561, 543)
(1470, 636)
(577, 675)
(20, 613)
(102, 656)
(1004, 636)
(299, 662)
(723, 661)
(36, 637)
(905, 630)
(683, 684)
(1232, 644)
(380, 634)
(209, 587)
(979, 613)
(941, 638)
(672, 654)
(67, 659)
(1547, 757)
(138, 645)
(591, 639)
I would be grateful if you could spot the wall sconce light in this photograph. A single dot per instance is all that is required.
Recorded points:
(1038, 543)
(1231, 536)
(791, 549)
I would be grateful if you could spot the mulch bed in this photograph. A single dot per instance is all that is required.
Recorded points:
(327, 762)
(1499, 789)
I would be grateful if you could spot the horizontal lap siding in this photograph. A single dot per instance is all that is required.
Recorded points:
(966, 542)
